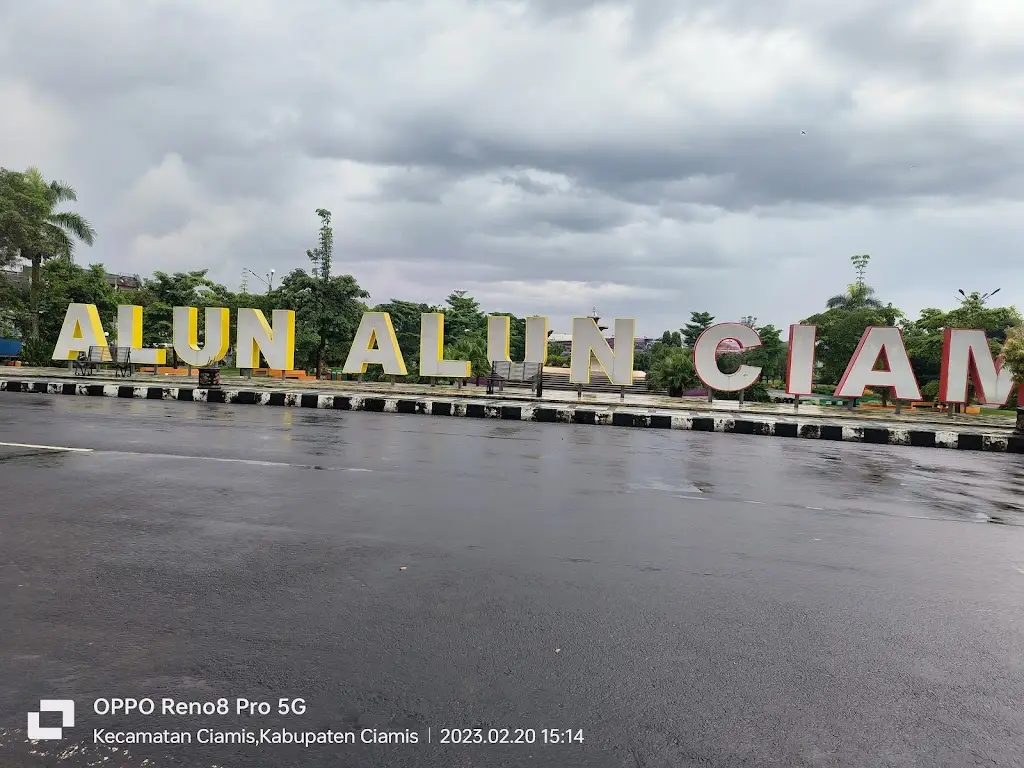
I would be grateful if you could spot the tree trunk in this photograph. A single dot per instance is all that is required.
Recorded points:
(37, 260)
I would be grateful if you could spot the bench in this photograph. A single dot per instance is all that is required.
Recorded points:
(504, 372)
(848, 402)
(120, 358)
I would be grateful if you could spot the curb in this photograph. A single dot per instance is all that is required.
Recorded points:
(561, 413)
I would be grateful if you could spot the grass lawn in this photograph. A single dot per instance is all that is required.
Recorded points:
(1010, 414)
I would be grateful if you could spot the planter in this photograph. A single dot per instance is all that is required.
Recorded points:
(1020, 421)
(209, 378)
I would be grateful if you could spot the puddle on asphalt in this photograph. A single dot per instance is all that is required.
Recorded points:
(658, 485)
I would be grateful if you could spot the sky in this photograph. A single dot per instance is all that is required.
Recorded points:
(648, 159)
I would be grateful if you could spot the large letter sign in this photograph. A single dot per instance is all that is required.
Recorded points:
(800, 360)
(705, 357)
(499, 338)
(277, 343)
(129, 334)
(82, 329)
(966, 357)
(432, 362)
(966, 353)
(587, 338)
(375, 344)
(885, 343)
(185, 334)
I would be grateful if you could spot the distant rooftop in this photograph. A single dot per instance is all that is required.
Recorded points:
(117, 281)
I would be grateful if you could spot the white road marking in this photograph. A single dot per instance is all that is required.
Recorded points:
(748, 501)
(251, 462)
(1019, 570)
(816, 509)
(48, 447)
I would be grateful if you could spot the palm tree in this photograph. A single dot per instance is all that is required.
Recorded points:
(56, 235)
(858, 296)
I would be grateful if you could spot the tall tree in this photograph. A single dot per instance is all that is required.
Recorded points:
(22, 207)
(161, 293)
(699, 322)
(321, 259)
(840, 331)
(463, 317)
(858, 294)
(33, 228)
(771, 355)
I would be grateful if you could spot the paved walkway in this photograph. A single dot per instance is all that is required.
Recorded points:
(521, 394)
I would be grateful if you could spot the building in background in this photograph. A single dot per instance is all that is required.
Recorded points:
(118, 282)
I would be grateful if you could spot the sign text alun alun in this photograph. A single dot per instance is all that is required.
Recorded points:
(966, 355)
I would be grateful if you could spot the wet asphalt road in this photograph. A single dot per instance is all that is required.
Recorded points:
(682, 598)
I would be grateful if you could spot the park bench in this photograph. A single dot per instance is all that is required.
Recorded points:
(505, 373)
(849, 402)
(120, 358)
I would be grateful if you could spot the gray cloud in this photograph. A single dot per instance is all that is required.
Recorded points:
(651, 158)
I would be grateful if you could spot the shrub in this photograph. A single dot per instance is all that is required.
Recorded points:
(673, 372)
(930, 391)
(755, 393)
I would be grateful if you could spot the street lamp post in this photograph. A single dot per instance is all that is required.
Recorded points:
(267, 280)
(983, 297)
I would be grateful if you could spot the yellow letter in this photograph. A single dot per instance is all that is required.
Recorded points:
(186, 335)
(129, 334)
(82, 329)
(277, 343)
(432, 362)
(374, 328)
(586, 337)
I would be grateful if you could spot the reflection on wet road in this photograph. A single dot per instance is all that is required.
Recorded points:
(683, 598)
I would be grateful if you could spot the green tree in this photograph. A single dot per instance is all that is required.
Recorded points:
(473, 349)
(335, 301)
(22, 208)
(326, 314)
(405, 317)
(557, 357)
(1012, 355)
(462, 317)
(699, 322)
(923, 340)
(839, 332)
(32, 227)
(673, 372)
(770, 356)
(62, 283)
(161, 293)
(671, 339)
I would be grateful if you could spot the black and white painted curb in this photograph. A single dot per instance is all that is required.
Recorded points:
(1005, 442)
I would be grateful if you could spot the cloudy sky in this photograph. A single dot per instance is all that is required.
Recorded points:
(650, 158)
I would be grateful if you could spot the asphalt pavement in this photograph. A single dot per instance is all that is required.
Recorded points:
(645, 598)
